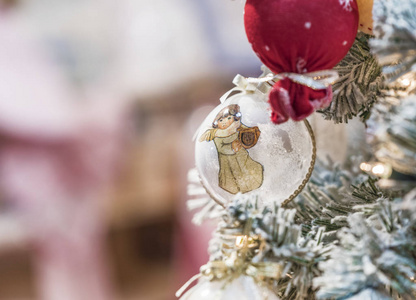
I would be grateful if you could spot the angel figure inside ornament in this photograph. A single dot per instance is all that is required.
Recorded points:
(238, 172)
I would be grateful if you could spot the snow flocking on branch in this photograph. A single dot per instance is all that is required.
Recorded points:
(376, 258)
(278, 250)
(392, 133)
(395, 37)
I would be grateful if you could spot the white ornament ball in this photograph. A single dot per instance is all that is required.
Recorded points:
(239, 150)
(242, 288)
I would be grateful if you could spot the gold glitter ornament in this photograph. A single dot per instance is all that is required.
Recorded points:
(365, 9)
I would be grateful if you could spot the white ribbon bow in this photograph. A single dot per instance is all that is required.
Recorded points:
(315, 80)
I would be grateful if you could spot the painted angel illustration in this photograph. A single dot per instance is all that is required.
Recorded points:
(238, 171)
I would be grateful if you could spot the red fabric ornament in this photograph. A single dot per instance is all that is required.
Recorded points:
(300, 36)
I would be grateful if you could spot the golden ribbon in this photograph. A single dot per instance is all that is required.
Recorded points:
(238, 261)
(220, 270)
(224, 270)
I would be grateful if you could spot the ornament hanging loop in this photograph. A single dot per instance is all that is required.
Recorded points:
(310, 170)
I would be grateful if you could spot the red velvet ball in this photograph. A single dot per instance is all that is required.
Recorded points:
(300, 36)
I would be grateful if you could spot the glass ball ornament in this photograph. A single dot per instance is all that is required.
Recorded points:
(239, 150)
(241, 288)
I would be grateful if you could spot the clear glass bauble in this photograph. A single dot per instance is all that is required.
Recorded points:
(242, 288)
(239, 150)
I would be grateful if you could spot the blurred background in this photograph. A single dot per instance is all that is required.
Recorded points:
(99, 100)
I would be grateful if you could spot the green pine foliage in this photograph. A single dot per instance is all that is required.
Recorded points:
(360, 84)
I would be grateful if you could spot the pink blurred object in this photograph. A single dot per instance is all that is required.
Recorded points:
(59, 151)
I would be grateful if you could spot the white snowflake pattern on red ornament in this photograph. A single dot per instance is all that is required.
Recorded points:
(346, 4)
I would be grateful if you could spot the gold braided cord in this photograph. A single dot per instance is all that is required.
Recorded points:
(300, 187)
(311, 167)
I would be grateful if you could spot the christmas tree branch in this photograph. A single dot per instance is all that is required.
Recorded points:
(359, 85)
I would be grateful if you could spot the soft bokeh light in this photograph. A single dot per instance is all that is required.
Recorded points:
(377, 169)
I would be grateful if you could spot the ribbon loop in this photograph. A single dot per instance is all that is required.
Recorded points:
(187, 285)
(244, 85)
